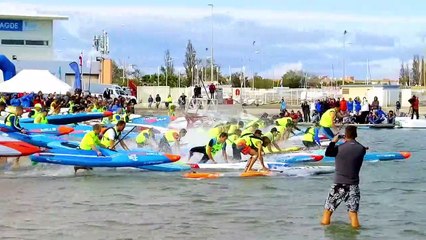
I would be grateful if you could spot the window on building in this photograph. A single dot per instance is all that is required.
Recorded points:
(12, 42)
(36, 43)
(24, 42)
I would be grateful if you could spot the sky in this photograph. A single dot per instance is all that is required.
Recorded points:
(269, 37)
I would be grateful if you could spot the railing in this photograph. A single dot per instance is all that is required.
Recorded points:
(197, 105)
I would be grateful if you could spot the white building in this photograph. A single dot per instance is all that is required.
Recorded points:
(27, 41)
(27, 37)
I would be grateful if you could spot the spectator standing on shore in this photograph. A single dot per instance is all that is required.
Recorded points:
(212, 90)
(414, 101)
(283, 106)
(150, 101)
(397, 107)
(306, 112)
(343, 105)
(350, 105)
(182, 101)
(157, 101)
(197, 91)
(375, 104)
(357, 107)
(169, 101)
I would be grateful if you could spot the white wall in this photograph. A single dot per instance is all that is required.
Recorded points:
(406, 94)
(38, 30)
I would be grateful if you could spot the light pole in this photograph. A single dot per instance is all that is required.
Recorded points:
(343, 57)
(167, 68)
(211, 61)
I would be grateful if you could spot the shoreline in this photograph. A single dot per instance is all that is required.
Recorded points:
(270, 109)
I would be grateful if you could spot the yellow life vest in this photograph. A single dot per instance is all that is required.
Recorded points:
(89, 140)
(142, 136)
(247, 131)
(215, 132)
(283, 121)
(41, 120)
(217, 146)
(36, 113)
(270, 136)
(232, 138)
(326, 119)
(169, 100)
(309, 135)
(8, 122)
(105, 139)
(232, 128)
(169, 135)
(250, 141)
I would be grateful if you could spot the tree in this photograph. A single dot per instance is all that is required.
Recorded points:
(407, 75)
(168, 67)
(190, 62)
(402, 75)
(292, 79)
(415, 70)
(117, 74)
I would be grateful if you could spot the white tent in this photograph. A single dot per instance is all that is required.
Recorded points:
(34, 81)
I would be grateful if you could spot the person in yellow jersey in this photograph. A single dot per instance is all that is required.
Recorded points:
(232, 138)
(252, 145)
(12, 120)
(91, 142)
(107, 120)
(250, 130)
(113, 134)
(37, 110)
(310, 138)
(172, 110)
(273, 136)
(41, 117)
(216, 131)
(233, 127)
(171, 136)
(327, 121)
(145, 137)
(214, 146)
(169, 101)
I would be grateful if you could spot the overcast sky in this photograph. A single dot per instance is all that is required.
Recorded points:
(302, 34)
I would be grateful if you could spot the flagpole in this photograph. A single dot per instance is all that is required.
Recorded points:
(81, 72)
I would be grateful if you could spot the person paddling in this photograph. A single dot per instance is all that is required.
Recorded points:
(91, 142)
(327, 121)
(214, 146)
(349, 158)
(113, 134)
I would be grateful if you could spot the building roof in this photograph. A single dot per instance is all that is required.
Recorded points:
(32, 17)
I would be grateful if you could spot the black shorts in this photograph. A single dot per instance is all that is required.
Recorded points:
(343, 192)
(202, 150)
(309, 144)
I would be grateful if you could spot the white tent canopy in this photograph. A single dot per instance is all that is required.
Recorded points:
(33, 81)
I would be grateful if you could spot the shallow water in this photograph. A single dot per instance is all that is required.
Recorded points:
(50, 203)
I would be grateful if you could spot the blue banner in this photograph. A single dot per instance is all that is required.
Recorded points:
(11, 25)
(77, 82)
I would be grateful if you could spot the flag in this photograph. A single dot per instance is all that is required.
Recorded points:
(76, 69)
(60, 72)
(80, 58)
(345, 32)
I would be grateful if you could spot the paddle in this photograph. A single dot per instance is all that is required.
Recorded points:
(122, 138)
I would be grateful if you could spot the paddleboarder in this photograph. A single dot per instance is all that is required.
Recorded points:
(214, 146)
(113, 134)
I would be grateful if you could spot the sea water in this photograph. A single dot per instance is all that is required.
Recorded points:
(49, 202)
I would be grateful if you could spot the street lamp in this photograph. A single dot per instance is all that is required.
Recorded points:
(211, 62)
(343, 57)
